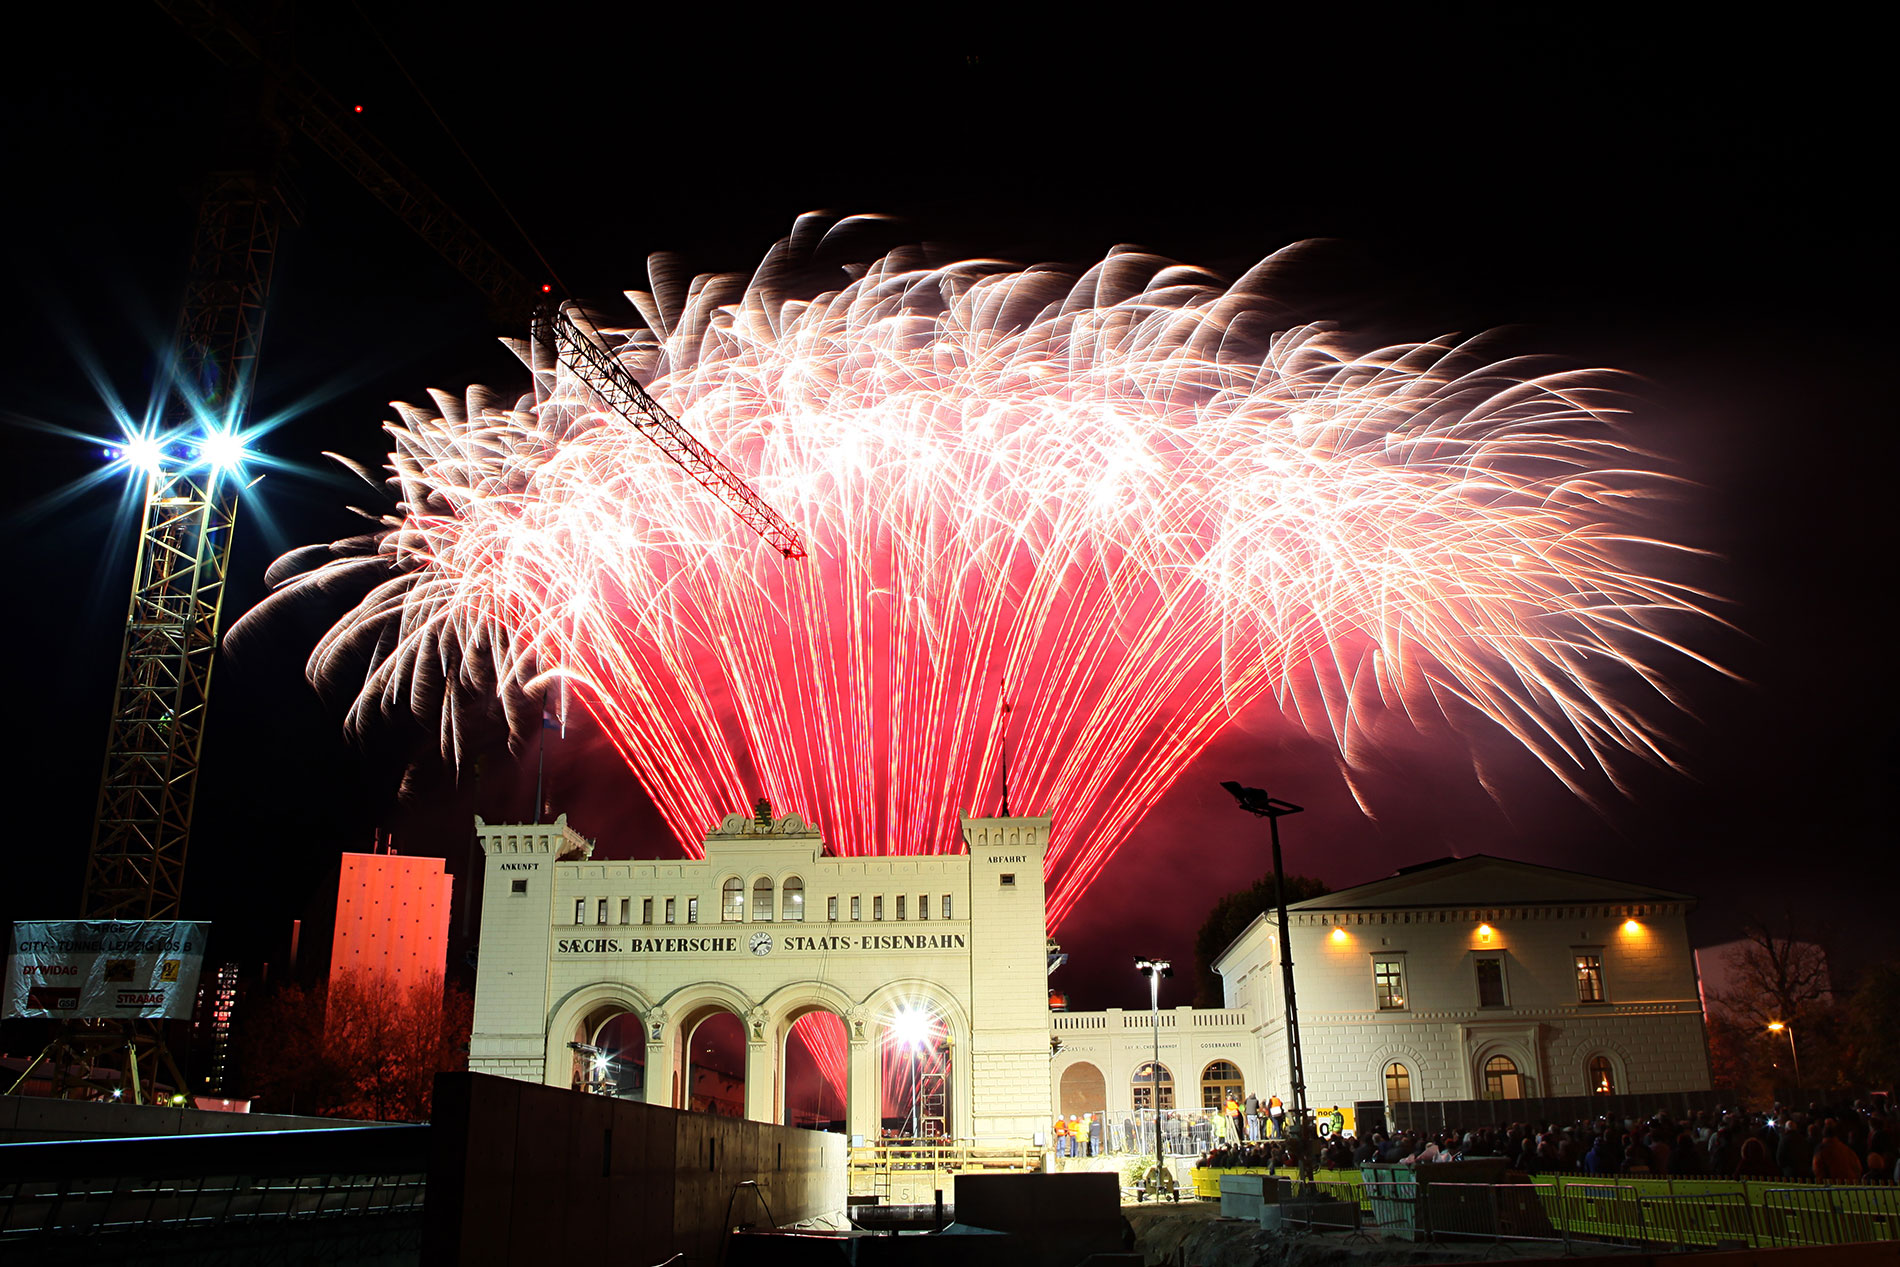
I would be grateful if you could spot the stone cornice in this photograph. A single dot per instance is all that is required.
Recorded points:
(1387, 915)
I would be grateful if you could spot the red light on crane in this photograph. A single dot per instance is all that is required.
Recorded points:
(546, 289)
(359, 109)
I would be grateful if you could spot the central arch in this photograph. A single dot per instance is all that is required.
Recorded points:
(713, 1071)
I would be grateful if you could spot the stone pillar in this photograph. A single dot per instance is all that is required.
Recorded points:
(863, 1094)
(662, 1042)
(761, 1069)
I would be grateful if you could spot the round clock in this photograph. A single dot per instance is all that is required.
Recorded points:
(761, 943)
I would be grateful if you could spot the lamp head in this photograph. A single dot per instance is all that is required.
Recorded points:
(1258, 803)
(222, 449)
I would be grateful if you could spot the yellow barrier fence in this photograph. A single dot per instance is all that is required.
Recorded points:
(1634, 1210)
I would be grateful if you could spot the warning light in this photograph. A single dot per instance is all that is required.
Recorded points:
(359, 109)
(545, 288)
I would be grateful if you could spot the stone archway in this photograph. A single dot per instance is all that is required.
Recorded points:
(610, 1053)
(714, 1064)
(912, 1061)
(808, 1043)
(814, 1057)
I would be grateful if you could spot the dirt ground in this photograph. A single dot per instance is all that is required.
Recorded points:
(1192, 1234)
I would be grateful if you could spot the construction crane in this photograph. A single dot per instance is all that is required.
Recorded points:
(512, 297)
(142, 824)
(135, 866)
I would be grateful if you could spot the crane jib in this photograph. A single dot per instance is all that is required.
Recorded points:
(578, 349)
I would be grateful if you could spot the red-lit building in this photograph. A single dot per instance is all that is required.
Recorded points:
(392, 918)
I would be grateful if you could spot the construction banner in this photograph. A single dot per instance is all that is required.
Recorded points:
(88, 969)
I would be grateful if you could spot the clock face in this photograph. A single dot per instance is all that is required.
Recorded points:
(761, 943)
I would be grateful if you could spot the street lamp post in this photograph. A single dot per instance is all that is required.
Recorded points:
(1260, 805)
(1155, 969)
(1777, 1027)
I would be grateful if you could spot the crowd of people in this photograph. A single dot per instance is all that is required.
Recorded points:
(1855, 1143)
(1239, 1125)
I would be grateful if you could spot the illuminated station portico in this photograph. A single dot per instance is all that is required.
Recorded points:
(600, 974)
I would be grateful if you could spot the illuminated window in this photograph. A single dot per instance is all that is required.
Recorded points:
(1144, 1086)
(794, 899)
(626, 910)
(923, 906)
(1589, 978)
(762, 900)
(646, 910)
(669, 910)
(692, 910)
(1602, 1078)
(600, 914)
(857, 908)
(1502, 1081)
(1218, 1081)
(1490, 982)
(900, 906)
(580, 910)
(877, 907)
(732, 901)
(1398, 1084)
(946, 907)
(831, 909)
(1388, 981)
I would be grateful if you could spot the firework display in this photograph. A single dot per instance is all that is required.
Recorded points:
(1131, 501)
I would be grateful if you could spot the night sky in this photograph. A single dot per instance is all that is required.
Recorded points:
(1694, 204)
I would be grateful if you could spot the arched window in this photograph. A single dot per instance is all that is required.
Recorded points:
(732, 901)
(1144, 1086)
(794, 899)
(1398, 1084)
(1502, 1081)
(762, 900)
(1601, 1077)
(1217, 1080)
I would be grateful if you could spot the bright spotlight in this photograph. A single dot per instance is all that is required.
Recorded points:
(143, 453)
(222, 450)
(911, 1026)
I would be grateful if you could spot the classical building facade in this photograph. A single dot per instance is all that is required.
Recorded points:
(768, 927)
(1460, 979)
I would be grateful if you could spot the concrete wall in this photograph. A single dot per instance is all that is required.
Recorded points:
(522, 1173)
(26, 1119)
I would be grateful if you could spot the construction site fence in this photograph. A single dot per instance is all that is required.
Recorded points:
(871, 1166)
(1622, 1210)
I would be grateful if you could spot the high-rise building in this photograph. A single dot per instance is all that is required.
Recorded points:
(211, 1024)
(392, 919)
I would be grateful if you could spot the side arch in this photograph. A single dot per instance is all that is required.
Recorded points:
(571, 1009)
(1083, 1088)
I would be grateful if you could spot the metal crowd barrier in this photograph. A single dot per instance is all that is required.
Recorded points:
(92, 1187)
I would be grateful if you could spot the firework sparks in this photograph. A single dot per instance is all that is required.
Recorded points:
(1124, 493)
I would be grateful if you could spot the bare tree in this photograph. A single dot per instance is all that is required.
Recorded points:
(1774, 979)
